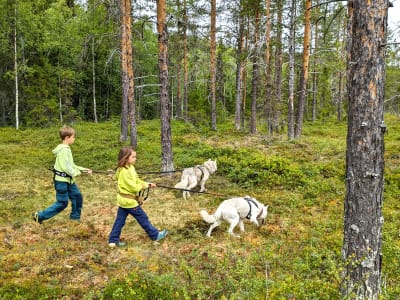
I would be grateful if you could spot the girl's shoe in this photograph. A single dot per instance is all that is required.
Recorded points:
(161, 235)
(119, 244)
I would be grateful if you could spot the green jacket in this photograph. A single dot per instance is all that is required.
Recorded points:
(65, 163)
(129, 184)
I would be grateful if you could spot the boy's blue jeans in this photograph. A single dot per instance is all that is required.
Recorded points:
(64, 192)
(140, 215)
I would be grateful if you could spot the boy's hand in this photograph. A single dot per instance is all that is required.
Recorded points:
(152, 184)
(88, 171)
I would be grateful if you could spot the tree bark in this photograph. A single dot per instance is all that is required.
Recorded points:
(278, 67)
(291, 69)
(127, 75)
(166, 136)
(255, 75)
(239, 71)
(304, 70)
(185, 64)
(267, 60)
(16, 70)
(365, 149)
(213, 65)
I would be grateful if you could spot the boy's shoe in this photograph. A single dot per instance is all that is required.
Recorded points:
(161, 235)
(118, 244)
(35, 217)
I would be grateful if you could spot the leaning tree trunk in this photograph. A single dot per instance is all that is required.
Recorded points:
(365, 149)
(166, 136)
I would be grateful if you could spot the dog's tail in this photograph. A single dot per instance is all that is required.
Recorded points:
(207, 217)
(183, 183)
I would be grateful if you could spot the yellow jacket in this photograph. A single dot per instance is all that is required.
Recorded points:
(129, 184)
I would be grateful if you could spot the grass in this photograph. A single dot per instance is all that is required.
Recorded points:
(296, 255)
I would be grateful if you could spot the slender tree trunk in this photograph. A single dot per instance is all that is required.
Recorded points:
(304, 70)
(213, 48)
(340, 97)
(292, 38)
(179, 63)
(278, 66)
(267, 59)
(125, 7)
(365, 150)
(239, 72)
(166, 136)
(94, 83)
(185, 64)
(59, 97)
(255, 75)
(244, 76)
(16, 70)
(315, 76)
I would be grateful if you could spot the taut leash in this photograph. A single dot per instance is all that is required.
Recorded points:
(187, 190)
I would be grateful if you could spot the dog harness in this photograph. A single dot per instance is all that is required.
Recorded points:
(200, 167)
(249, 201)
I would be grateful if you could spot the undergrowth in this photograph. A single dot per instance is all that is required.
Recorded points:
(296, 255)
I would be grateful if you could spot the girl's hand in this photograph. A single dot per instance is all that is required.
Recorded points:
(152, 184)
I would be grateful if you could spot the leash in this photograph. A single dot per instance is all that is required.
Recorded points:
(141, 173)
(186, 190)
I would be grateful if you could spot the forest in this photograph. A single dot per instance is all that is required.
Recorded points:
(61, 61)
(264, 87)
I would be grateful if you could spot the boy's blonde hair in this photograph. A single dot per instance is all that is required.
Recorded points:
(66, 131)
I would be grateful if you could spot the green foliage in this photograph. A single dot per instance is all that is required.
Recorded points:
(296, 255)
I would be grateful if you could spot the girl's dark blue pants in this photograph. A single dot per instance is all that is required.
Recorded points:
(140, 215)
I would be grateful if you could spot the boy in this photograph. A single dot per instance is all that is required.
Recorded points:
(64, 180)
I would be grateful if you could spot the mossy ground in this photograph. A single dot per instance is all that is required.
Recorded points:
(296, 255)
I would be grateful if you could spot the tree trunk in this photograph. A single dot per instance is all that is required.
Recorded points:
(179, 62)
(304, 70)
(213, 65)
(16, 71)
(94, 83)
(239, 72)
(292, 37)
(165, 114)
(127, 76)
(267, 59)
(255, 75)
(340, 97)
(278, 67)
(185, 63)
(365, 149)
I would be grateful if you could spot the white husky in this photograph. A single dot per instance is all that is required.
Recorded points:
(198, 175)
(234, 211)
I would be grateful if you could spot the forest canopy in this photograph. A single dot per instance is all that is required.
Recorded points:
(60, 57)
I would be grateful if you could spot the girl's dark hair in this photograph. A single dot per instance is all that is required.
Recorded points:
(123, 156)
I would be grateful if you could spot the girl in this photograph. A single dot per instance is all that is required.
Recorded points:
(129, 186)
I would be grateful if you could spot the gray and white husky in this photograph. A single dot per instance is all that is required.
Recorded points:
(194, 176)
(234, 211)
